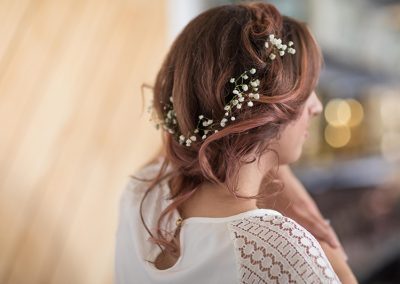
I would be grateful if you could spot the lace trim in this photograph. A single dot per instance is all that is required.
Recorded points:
(276, 249)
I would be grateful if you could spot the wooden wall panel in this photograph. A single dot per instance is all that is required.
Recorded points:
(71, 130)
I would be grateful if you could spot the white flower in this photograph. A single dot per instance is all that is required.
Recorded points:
(255, 89)
(232, 80)
(222, 124)
(232, 118)
(205, 123)
(181, 137)
(271, 37)
(241, 99)
(196, 131)
(204, 137)
(193, 138)
(239, 106)
(171, 99)
(252, 70)
(245, 77)
(290, 43)
(251, 95)
(188, 141)
(257, 96)
(227, 108)
(235, 92)
(201, 116)
(279, 41)
(224, 120)
(206, 131)
(250, 103)
(226, 113)
(210, 121)
(215, 131)
(272, 56)
(291, 50)
(245, 87)
(281, 53)
(235, 102)
(284, 46)
(266, 44)
(279, 45)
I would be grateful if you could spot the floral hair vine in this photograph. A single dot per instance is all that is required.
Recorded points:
(245, 92)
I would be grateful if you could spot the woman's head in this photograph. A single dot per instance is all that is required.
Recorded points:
(222, 43)
(217, 45)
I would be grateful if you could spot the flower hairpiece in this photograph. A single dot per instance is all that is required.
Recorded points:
(245, 92)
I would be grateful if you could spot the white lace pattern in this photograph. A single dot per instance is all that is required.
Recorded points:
(276, 249)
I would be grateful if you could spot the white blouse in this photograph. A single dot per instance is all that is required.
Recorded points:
(257, 246)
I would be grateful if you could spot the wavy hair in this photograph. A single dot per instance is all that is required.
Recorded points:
(218, 44)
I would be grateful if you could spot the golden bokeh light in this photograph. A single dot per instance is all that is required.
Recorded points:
(357, 112)
(337, 112)
(337, 136)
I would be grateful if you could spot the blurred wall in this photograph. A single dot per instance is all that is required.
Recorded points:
(71, 130)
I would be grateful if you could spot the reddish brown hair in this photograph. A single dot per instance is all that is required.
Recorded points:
(219, 44)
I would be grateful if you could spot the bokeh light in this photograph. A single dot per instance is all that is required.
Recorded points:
(337, 136)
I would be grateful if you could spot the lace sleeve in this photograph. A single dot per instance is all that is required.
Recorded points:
(276, 249)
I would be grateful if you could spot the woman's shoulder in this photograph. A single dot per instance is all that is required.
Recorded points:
(273, 246)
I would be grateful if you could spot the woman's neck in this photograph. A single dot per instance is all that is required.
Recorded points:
(211, 200)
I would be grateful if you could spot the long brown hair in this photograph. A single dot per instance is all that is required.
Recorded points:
(219, 44)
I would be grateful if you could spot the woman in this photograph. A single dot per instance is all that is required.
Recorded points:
(234, 97)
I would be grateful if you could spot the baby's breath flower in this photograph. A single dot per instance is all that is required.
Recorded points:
(232, 118)
(232, 80)
(272, 56)
(256, 96)
(193, 138)
(239, 106)
(252, 70)
(235, 92)
(245, 77)
(245, 87)
(201, 116)
(250, 103)
(204, 137)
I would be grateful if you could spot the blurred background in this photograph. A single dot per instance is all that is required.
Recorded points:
(73, 126)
